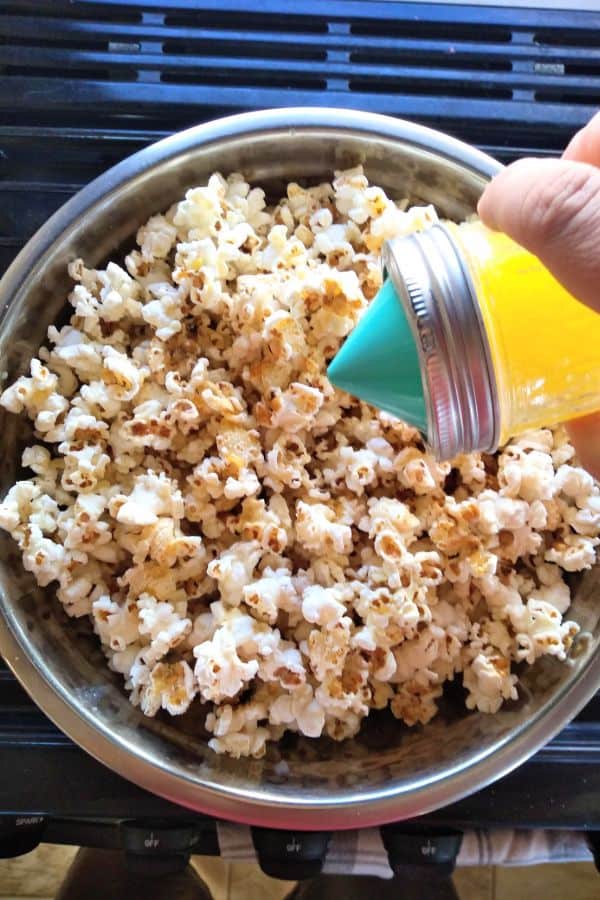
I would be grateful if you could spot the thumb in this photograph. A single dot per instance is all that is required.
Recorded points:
(552, 208)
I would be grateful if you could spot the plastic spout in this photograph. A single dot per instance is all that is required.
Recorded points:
(379, 362)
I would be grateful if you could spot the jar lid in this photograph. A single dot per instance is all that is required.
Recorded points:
(431, 277)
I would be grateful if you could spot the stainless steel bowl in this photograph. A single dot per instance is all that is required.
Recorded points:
(388, 772)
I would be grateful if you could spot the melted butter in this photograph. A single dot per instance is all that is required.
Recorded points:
(545, 344)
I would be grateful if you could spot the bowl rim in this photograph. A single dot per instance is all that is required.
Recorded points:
(264, 806)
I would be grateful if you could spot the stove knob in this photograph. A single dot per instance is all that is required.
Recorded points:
(412, 852)
(159, 848)
(20, 834)
(290, 855)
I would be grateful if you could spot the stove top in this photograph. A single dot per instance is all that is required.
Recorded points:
(85, 83)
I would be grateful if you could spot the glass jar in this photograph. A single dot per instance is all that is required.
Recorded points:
(503, 347)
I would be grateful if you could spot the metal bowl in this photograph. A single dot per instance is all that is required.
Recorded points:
(388, 772)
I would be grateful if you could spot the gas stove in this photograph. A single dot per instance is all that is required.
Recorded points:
(85, 83)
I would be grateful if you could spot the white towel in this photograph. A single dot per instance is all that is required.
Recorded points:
(362, 852)
(514, 847)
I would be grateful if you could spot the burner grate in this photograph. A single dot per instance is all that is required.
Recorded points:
(465, 64)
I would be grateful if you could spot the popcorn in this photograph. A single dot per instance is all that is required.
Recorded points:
(236, 730)
(527, 475)
(152, 496)
(170, 687)
(161, 625)
(164, 313)
(196, 216)
(321, 606)
(420, 472)
(415, 703)
(156, 237)
(316, 528)
(219, 670)
(284, 665)
(585, 521)
(234, 569)
(272, 593)
(43, 557)
(240, 533)
(335, 244)
(295, 409)
(17, 507)
(358, 468)
(84, 468)
(281, 252)
(76, 350)
(240, 743)
(489, 681)
(573, 553)
(37, 396)
(116, 624)
(552, 590)
(82, 527)
(270, 526)
(298, 712)
(120, 371)
(285, 463)
(395, 222)
(417, 655)
(327, 648)
(81, 582)
(574, 483)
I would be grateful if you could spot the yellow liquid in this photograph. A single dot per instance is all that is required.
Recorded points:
(545, 345)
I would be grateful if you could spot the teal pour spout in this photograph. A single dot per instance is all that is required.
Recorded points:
(379, 362)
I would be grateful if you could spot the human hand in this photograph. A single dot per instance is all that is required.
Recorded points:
(552, 208)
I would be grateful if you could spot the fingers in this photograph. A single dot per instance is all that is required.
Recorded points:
(585, 436)
(585, 432)
(552, 207)
(585, 145)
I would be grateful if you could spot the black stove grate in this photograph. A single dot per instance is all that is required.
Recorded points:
(84, 84)
(93, 81)
(167, 60)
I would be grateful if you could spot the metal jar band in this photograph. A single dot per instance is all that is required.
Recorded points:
(431, 278)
